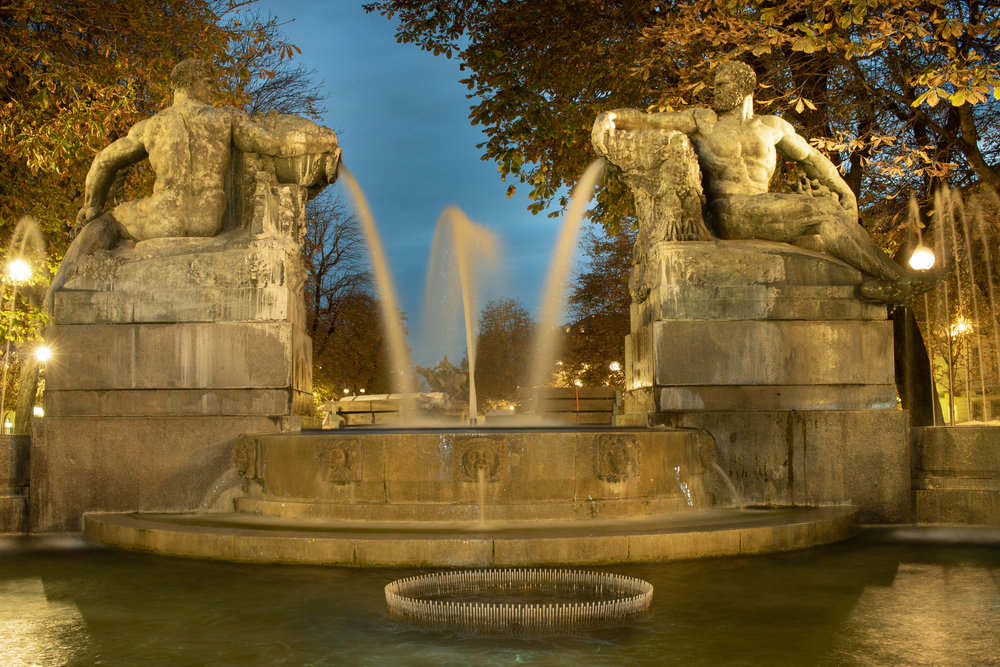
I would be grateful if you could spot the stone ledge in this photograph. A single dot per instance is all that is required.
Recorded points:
(760, 398)
(240, 538)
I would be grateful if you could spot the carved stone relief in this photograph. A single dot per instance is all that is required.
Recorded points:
(247, 458)
(474, 453)
(618, 457)
(340, 460)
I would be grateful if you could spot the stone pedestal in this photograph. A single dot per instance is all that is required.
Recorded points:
(768, 347)
(165, 352)
(14, 450)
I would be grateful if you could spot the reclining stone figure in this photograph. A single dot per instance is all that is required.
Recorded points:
(189, 146)
(737, 151)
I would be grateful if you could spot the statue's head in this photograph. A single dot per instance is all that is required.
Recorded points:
(195, 76)
(734, 81)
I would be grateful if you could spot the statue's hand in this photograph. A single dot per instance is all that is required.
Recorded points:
(84, 216)
(604, 129)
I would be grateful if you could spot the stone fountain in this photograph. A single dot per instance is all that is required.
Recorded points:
(175, 428)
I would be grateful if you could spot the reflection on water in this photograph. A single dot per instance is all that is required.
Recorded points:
(885, 598)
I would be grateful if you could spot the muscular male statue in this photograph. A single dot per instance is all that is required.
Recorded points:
(738, 150)
(189, 146)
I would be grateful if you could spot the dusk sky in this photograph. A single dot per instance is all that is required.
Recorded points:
(402, 119)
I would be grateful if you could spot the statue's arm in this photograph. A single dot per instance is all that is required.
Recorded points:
(122, 153)
(633, 119)
(252, 138)
(816, 165)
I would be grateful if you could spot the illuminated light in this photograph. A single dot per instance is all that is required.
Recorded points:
(346, 390)
(961, 327)
(559, 363)
(512, 407)
(578, 383)
(615, 366)
(38, 411)
(43, 353)
(361, 390)
(7, 424)
(19, 270)
(922, 258)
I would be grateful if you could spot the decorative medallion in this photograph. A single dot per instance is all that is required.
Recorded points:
(340, 460)
(618, 457)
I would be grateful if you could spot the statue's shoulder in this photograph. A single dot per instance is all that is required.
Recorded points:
(704, 118)
(776, 123)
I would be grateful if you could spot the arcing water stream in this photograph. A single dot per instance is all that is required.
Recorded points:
(475, 247)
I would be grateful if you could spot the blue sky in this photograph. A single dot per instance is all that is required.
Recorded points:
(402, 119)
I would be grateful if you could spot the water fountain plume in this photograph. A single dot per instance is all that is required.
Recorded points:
(981, 228)
(553, 297)
(388, 303)
(975, 302)
(27, 247)
(475, 249)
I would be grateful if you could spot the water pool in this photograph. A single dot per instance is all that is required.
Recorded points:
(887, 597)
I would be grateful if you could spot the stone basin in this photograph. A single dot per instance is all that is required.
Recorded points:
(434, 475)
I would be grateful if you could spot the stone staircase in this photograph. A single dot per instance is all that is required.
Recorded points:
(956, 475)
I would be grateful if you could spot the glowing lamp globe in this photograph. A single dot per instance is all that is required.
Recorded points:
(922, 258)
(19, 270)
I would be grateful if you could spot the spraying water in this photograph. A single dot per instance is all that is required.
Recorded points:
(475, 248)
(388, 304)
(25, 256)
(737, 498)
(547, 338)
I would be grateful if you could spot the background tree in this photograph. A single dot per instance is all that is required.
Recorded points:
(599, 304)
(503, 351)
(901, 96)
(342, 315)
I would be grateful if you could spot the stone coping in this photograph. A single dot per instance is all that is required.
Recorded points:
(247, 538)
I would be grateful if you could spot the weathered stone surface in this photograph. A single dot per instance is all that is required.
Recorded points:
(661, 169)
(528, 476)
(14, 461)
(956, 475)
(817, 457)
(761, 397)
(219, 355)
(242, 539)
(748, 280)
(131, 464)
(14, 477)
(760, 352)
(154, 402)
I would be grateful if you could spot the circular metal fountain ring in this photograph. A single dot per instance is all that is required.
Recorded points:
(608, 599)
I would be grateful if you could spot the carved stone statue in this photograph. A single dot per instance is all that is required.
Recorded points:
(737, 151)
(189, 146)
(445, 378)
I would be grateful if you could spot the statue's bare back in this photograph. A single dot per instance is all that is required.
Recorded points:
(188, 149)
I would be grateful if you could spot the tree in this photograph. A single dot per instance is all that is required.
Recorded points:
(78, 74)
(504, 344)
(599, 304)
(342, 314)
(902, 96)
